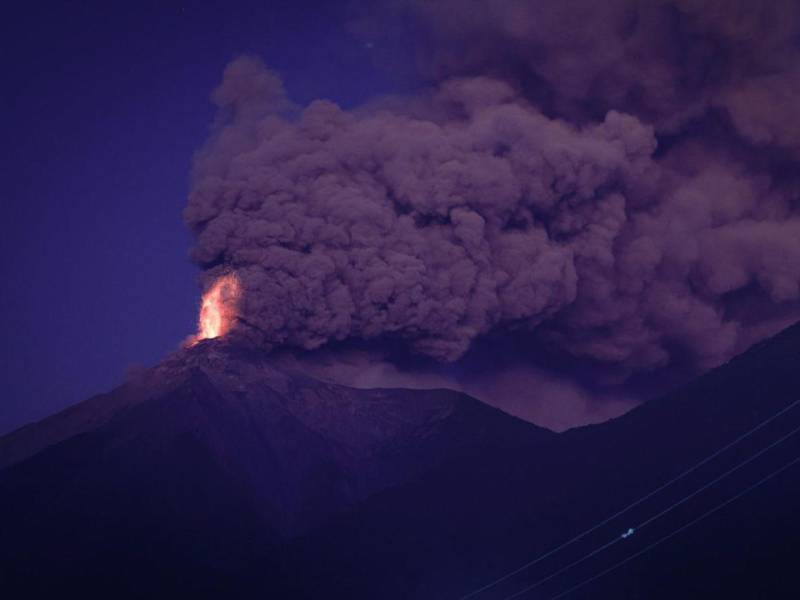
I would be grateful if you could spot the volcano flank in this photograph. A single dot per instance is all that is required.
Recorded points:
(217, 472)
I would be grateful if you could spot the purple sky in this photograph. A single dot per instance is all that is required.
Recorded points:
(559, 206)
(103, 109)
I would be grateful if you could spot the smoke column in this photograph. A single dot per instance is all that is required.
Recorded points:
(616, 181)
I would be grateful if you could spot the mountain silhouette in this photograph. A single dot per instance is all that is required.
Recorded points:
(218, 473)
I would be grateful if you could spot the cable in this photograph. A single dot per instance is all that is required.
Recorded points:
(660, 541)
(719, 478)
(634, 504)
(657, 516)
(564, 569)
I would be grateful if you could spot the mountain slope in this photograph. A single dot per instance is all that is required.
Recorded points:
(213, 458)
(479, 517)
(217, 474)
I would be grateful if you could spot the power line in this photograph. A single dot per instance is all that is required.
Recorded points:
(634, 504)
(564, 569)
(660, 541)
(648, 521)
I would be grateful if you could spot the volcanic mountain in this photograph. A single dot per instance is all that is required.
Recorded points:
(220, 474)
(216, 453)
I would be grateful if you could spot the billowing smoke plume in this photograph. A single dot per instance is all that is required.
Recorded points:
(666, 61)
(617, 179)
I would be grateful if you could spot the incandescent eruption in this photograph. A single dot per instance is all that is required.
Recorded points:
(218, 309)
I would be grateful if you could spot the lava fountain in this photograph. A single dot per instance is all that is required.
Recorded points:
(218, 309)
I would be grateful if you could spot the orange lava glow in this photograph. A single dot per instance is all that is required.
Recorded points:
(218, 309)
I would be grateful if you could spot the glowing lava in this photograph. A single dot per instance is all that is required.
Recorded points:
(218, 308)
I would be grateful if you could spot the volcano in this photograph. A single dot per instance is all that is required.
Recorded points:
(217, 452)
(220, 473)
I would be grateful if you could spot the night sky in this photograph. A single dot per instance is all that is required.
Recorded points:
(104, 105)
(562, 208)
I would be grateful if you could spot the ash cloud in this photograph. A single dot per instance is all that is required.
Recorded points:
(615, 180)
(666, 61)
